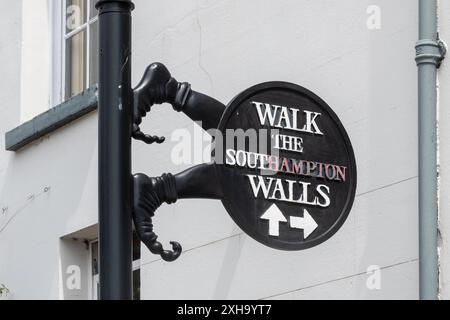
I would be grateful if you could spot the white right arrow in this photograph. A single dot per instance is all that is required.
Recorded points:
(275, 216)
(307, 223)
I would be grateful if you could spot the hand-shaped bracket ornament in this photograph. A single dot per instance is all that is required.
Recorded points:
(157, 87)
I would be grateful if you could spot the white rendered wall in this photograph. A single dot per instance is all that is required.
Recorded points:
(223, 47)
(36, 53)
(367, 76)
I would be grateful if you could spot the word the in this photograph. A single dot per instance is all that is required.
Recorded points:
(288, 143)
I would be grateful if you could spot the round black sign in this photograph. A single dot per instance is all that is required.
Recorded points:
(287, 168)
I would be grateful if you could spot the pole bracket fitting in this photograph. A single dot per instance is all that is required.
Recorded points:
(429, 51)
(101, 3)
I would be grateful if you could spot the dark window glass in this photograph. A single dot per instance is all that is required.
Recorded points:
(75, 64)
(93, 54)
(137, 284)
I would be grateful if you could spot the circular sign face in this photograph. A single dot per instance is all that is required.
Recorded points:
(287, 169)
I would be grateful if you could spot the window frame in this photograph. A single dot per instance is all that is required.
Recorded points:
(63, 37)
(56, 72)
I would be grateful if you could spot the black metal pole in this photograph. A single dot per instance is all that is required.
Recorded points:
(115, 120)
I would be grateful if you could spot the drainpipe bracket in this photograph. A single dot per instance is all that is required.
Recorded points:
(429, 51)
(443, 49)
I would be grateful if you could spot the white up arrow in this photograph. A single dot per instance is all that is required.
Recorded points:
(307, 223)
(275, 216)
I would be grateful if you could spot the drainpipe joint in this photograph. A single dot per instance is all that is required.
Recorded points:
(429, 51)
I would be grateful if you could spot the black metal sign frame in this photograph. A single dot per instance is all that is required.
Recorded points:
(343, 213)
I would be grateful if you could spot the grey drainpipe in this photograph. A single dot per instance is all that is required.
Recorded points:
(430, 53)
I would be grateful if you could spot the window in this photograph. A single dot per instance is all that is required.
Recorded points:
(80, 46)
(136, 268)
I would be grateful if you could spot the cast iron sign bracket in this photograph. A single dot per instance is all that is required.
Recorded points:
(293, 196)
(156, 87)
